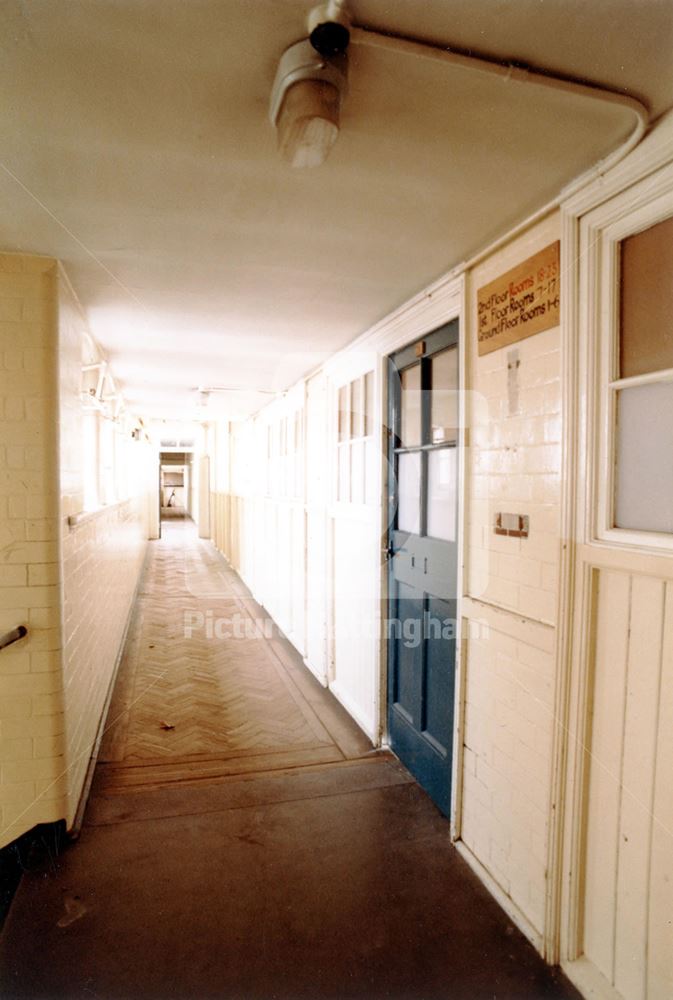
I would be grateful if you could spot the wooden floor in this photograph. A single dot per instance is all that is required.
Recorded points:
(207, 687)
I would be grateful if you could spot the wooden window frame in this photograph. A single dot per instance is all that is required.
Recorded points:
(602, 234)
(365, 433)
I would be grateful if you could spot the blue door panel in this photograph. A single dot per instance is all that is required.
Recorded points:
(408, 610)
(440, 672)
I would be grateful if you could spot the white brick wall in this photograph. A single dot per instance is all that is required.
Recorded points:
(508, 716)
(513, 466)
(31, 708)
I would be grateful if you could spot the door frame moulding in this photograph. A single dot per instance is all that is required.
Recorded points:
(446, 303)
(629, 188)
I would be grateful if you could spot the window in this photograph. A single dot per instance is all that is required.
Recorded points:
(642, 391)
(357, 469)
(90, 459)
(106, 446)
(284, 449)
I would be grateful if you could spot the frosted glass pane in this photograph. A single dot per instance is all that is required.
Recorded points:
(343, 413)
(372, 465)
(442, 493)
(344, 491)
(409, 493)
(444, 398)
(358, 472)
(411, 407)
(644, 479)
(356, 408)
(369, 403)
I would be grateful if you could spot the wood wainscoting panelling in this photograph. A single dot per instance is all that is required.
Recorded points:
(628, 908)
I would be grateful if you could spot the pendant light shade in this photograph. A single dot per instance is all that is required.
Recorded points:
(308, 123)
(306, 103)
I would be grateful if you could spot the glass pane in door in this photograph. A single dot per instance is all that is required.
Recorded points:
(444, 398)
(411, 407)
(409, 493)
(442, 493)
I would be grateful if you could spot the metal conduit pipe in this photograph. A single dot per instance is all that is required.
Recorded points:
(366, 38)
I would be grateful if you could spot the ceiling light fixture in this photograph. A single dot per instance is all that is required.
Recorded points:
(207, 389)
(310, 83)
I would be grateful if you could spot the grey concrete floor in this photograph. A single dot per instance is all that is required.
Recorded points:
(321, 880)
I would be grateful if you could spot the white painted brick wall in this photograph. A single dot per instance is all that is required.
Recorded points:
(513, 466)
(508, 729)
(31, 709)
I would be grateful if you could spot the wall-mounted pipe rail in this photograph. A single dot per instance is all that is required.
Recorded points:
(13, 636)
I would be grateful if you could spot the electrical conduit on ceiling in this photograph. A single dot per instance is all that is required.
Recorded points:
(366, 38)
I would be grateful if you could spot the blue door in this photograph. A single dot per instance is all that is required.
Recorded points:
(422, 552)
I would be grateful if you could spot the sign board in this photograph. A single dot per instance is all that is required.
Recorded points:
(520, 303)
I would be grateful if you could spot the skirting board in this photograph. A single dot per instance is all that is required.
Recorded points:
(501, 897)
(353, 710)
(585, 977)
(319, 675)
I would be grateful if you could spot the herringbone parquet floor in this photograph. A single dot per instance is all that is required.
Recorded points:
(201, 691)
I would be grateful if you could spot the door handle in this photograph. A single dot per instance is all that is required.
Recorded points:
(389, 551)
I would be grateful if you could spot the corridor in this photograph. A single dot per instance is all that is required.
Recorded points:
(243, 840)
(336, 499)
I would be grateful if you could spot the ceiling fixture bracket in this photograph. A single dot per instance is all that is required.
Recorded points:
(329, 28)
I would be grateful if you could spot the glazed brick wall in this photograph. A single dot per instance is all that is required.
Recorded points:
(71, 586)
(513, 465)
(102, 559)
(32, 763)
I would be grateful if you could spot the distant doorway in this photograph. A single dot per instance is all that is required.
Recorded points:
(176, 486)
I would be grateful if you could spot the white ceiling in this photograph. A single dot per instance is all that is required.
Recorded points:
(136, 147)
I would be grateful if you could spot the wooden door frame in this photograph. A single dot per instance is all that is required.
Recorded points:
(447, 302)
(390, 496)
(439, 303)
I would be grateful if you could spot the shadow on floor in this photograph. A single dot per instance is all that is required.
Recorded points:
(318, 869)
(346, 894)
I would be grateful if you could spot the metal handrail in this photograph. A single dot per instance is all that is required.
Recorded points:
(13, 636)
